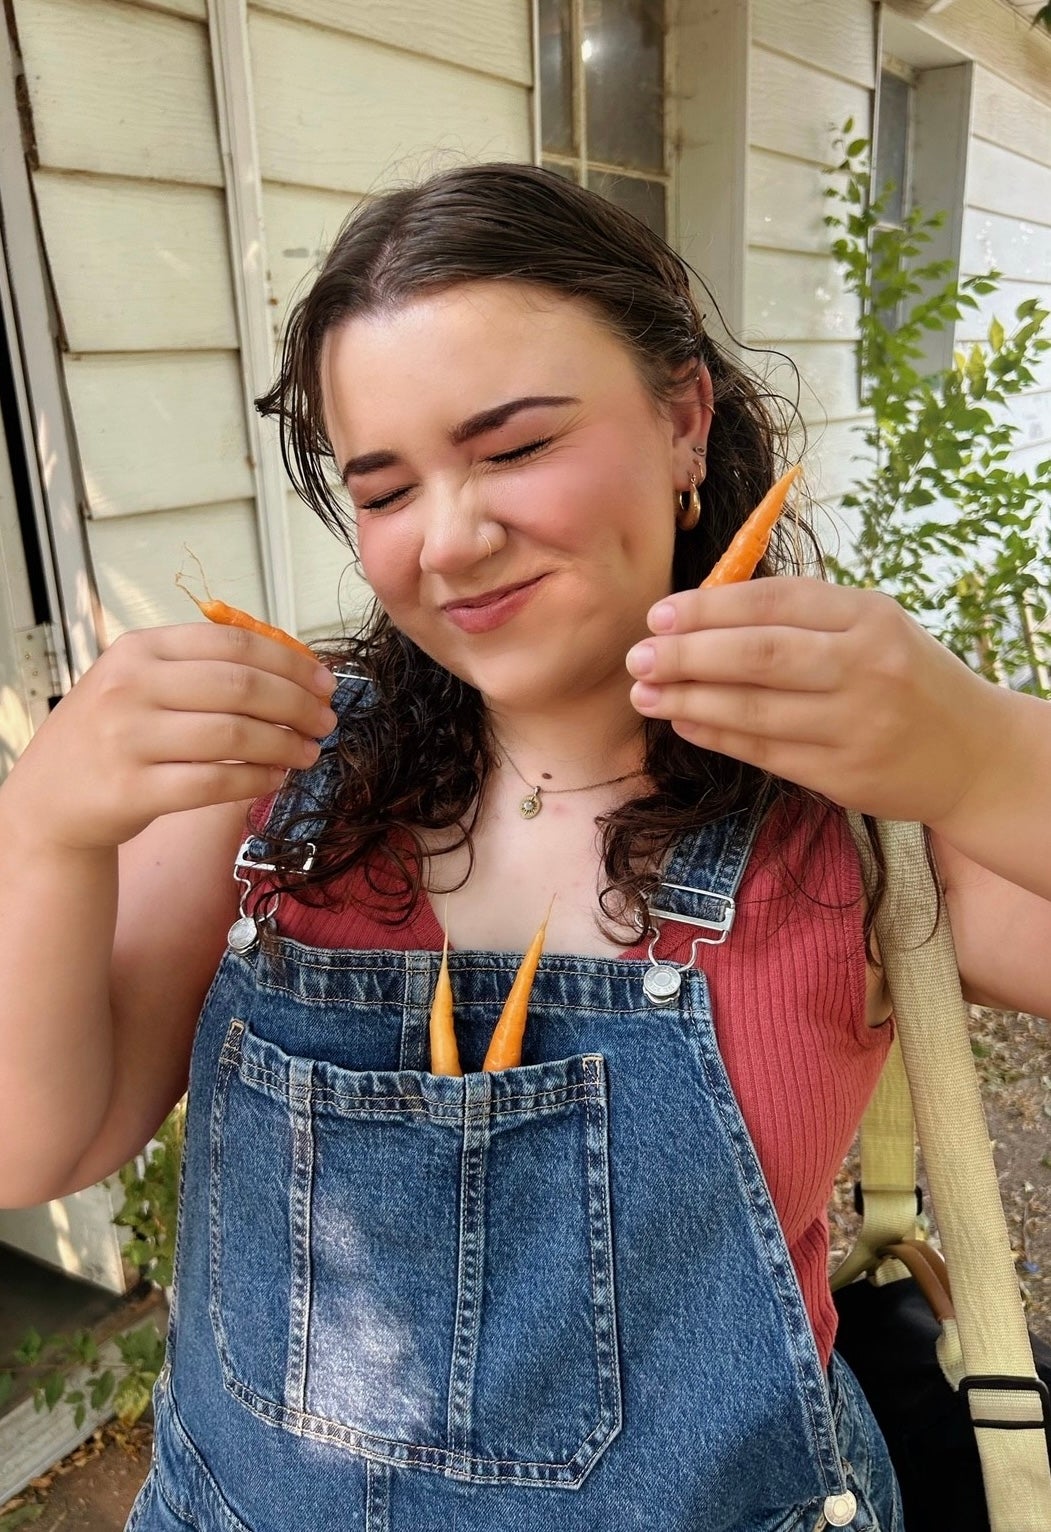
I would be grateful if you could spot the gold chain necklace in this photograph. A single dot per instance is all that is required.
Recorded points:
(530, 807)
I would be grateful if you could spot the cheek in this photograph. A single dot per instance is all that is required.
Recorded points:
(388, 556)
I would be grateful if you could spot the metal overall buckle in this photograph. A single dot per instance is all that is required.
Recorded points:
(662, 981)
(243, 935)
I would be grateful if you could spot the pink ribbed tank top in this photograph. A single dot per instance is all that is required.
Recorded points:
(788, 992)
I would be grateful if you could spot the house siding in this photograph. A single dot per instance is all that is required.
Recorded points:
(129, 186)
(128, 178)
(1007, 227)
(811, 68)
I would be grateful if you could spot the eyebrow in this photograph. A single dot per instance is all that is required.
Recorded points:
(475, 425)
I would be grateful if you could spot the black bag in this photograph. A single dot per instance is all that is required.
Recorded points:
(887, 1335)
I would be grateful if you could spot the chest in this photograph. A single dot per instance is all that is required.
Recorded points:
(520, 869)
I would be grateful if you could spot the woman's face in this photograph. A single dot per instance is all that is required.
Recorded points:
(505, 412)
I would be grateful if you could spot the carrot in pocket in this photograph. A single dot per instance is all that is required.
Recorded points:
(233, 617)
(751, 540)
(445, 1055)
(505, 1045)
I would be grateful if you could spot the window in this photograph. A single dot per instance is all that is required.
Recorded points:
(602, 98)
(891, 178)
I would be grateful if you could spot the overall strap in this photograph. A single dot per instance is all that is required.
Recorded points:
(699, 889)
(304, 791)
(700, 881)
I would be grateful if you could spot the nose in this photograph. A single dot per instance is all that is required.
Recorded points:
(453, 539)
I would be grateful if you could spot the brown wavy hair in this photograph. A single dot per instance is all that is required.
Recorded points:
(420, 750)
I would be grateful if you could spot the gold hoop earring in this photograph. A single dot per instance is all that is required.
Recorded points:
(688, 513)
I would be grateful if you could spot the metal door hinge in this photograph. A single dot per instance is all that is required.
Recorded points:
(38, 661)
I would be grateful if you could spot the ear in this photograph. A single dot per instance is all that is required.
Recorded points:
(691, 417)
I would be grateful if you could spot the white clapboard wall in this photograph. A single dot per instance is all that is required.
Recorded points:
(348, 97)
(810, 69)
(1007, 226)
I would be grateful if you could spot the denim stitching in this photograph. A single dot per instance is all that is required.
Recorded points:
(471, 1263)
(600, 1235)
(413, 1454)
(299, 1214)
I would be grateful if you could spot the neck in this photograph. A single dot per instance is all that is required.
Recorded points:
(588, 742)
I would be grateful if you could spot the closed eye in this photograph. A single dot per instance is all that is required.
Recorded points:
(384, 501)
(520, 453)
(516, 455)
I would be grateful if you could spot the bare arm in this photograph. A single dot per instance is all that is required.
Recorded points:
(105, 953)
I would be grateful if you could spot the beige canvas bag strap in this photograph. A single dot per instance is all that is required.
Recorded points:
(1006, 1405)
(888, 1171)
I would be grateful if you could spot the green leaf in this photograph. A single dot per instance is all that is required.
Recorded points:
(996, 334)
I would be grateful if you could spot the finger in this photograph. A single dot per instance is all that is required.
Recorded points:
(176, 786)
(813, 766)
(209, 738)
(756, 711)
(221, 687)
(784, 600)
(212, 641)
(781, 658)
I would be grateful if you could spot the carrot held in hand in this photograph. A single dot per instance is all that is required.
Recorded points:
(233, 617)
(505, 1045)
(751, 540)
(445, 1056)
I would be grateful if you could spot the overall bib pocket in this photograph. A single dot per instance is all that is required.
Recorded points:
(417, 1268)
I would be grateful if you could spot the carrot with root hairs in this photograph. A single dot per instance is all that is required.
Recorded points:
(445, 1055)
(505, 1045)
(752, 539)
(233, 617)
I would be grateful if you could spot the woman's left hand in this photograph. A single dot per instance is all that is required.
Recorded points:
(832, 687)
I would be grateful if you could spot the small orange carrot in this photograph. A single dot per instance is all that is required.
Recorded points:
(233, 617)
(505, 1045)
(751, 540)
(445, 1056)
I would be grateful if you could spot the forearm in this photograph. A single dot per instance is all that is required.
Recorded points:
(57, 920)
(1003, 820)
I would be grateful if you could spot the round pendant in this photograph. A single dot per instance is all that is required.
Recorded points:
(242, 935)
(529, 807)
(661, 984)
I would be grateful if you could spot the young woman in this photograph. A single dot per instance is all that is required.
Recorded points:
(589, 1290)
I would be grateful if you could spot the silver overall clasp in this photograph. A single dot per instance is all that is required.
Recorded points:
(662, 981)
(243, 935)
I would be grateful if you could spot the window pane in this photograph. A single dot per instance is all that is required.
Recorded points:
(892, 141)
(643, 198)
(556, 76)
(567, 172)
(623, 54)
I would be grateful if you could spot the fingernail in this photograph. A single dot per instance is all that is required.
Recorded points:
(662, 617)
(641, 659)
(325, 680)
(645, 695)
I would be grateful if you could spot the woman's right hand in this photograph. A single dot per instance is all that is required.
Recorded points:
(167, 719)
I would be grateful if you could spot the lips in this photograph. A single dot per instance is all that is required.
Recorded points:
(480, 614)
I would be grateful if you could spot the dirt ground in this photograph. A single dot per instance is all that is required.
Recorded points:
(93, 1489)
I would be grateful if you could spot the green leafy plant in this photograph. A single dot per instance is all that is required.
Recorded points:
(944, 521)
(50, 1363)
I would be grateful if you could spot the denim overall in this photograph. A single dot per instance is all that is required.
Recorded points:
(553, 1297)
